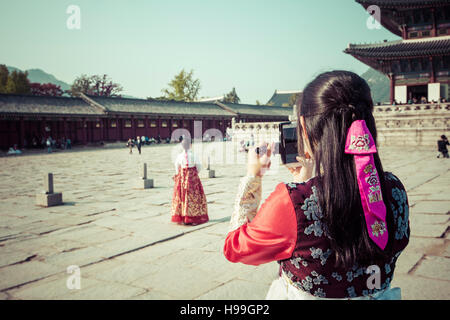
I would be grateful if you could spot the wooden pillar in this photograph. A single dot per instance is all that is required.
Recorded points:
(433, 76)
(392, 87)
(133, 126)
(433, 31)
(105, 129)
(84, 131)
(170, 127)
(21, 132)
(158, 125)
(146, 126)
(119, 127)
(43, 124)
(65, 128)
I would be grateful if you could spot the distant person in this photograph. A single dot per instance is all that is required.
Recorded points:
(442, 147)
(158, 139)
(139, 144)
(48, 142)
(130, 145)
(68, 143)
(189, 200)
(252, 140)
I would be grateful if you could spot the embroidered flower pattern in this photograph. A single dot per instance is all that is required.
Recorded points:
(296, 262)
(387, 268)
(311, 207)
(355, 273)
(378, 228)
(313, 212)
(319, 254)
(401, 213)
(319, 293)
(360, 142)
(372, 179)
(351, 292)
(336, 276)
(291, 185)
(368, 169)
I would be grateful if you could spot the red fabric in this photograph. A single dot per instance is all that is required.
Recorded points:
(270, 236)
(189, 201)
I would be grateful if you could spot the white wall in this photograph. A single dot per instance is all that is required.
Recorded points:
(434, 91)
(401, 94)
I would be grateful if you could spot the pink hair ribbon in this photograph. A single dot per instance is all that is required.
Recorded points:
(360, 143)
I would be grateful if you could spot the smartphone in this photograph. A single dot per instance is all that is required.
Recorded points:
(288, 143)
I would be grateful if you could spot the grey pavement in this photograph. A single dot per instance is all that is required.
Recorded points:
(122, 239)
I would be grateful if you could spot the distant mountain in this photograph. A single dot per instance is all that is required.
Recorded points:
(379, 85)
(37, 75)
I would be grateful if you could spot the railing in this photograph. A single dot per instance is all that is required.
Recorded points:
(432, 107)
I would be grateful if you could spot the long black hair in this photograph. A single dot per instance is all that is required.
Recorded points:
(329, 105)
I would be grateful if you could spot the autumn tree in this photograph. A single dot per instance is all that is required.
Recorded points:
(46, 89)
(232, 97)
(95, 85)
(183, 87)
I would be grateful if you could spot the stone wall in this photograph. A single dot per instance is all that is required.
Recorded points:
(412, 125)
(402, 125)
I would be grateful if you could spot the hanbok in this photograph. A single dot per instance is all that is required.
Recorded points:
(189, 200)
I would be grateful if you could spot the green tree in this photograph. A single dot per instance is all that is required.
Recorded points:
(4, 73)
(232, 97)
(95, 85)
(183, 87)
(18, 83)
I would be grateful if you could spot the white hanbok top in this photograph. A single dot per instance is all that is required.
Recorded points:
(187, 159)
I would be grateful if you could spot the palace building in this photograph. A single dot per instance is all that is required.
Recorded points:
(93, 119)
(417, 65)
(282, 98)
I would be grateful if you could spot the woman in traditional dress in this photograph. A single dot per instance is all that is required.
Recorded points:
(339, 227)
(189, 200)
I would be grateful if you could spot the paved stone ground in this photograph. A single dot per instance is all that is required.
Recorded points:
(122, 239)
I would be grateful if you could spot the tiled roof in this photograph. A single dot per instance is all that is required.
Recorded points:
(160, 107)
(260, 111)
(281, 98)
(403, 3)
(401, 48)
(11, 103)
(93, 105)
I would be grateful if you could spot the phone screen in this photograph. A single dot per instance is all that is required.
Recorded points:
(288, 147)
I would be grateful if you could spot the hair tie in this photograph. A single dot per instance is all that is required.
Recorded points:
(360, 143)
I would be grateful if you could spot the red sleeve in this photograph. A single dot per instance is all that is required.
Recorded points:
(270, 236)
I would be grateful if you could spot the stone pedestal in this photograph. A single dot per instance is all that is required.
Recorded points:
(48, 198)
(208, 173)
(145, 183)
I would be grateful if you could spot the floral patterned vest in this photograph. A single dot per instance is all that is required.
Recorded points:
(312, 265)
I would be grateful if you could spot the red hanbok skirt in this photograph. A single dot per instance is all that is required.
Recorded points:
(189, 200)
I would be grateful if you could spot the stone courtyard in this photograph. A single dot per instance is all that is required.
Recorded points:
(122, 239)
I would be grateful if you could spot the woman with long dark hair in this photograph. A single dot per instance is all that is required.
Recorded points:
(338, 229)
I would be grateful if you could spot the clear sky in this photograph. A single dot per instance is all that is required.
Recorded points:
(256, 46)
